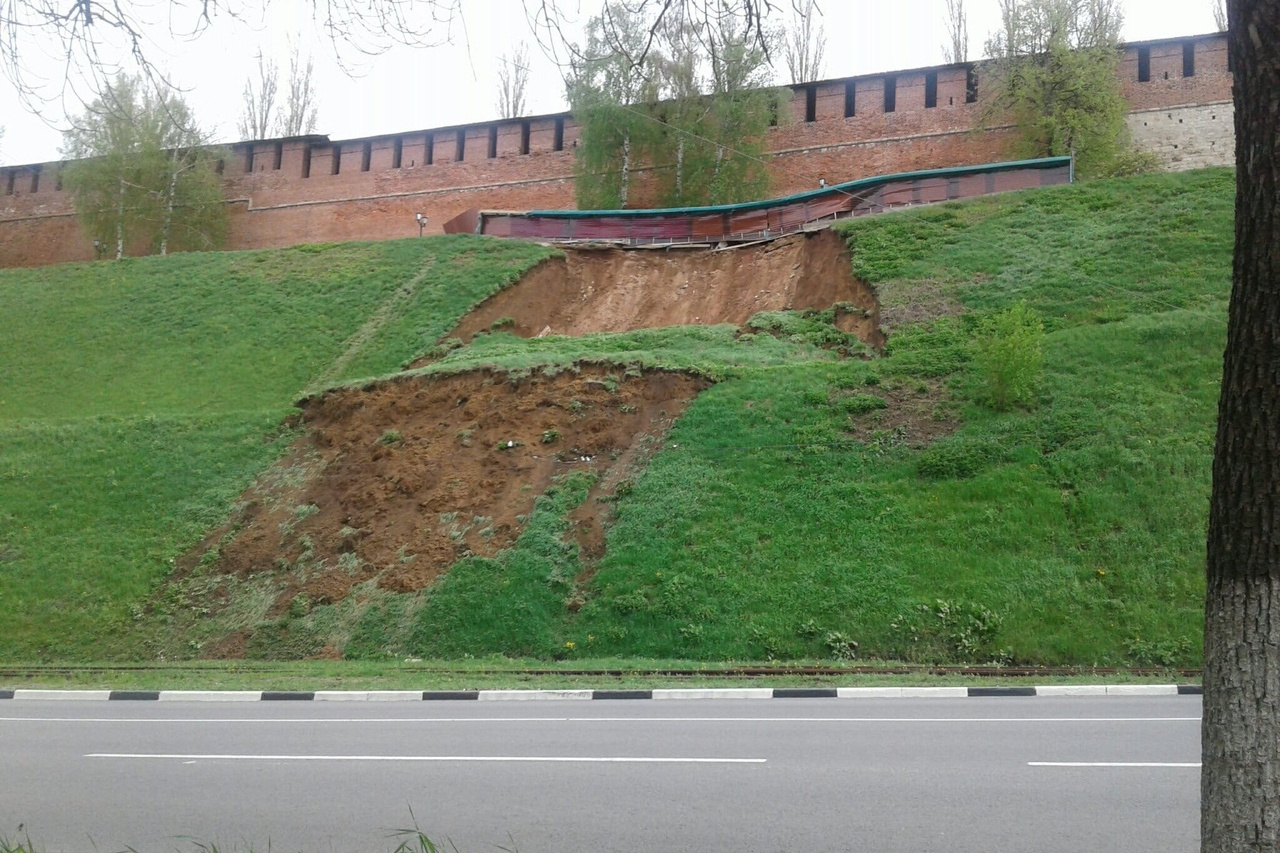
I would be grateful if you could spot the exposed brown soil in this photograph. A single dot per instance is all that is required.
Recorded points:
(919, 412)
(398, 479)
(614, 290)
(917, 302)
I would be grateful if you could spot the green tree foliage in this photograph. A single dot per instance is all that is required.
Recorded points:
(1054, 73)
(1009, 355)
(686, 100)
(610, 81)
(144, 175)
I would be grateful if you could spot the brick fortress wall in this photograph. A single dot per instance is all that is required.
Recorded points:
(312, 189)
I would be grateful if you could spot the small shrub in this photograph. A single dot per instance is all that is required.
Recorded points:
(841, 647)
(815, 398)
(954, 458)
(503, 323)
(550, 436)
(861, 404)
(1009, 355)
(1163, 653)
(391, 436)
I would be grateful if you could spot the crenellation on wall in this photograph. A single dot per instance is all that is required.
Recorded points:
(1210, 81)
(295, 194)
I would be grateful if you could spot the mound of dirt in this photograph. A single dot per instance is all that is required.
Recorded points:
(616, 290)
(400, 478)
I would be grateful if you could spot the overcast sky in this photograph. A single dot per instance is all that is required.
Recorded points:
(415, 88)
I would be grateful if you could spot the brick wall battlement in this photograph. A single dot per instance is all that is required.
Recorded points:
(312, 188)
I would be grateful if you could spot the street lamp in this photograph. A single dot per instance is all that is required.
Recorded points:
(422, 222)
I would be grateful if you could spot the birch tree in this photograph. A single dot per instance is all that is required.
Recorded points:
(610, 82)
(1054, 74)
(143, 176)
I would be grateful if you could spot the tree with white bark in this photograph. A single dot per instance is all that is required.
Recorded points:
(613, 77)
(692, 108)
(144, 173)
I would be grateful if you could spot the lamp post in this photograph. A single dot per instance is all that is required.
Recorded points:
(422, 222)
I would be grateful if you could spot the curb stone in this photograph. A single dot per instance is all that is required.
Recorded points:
(1013, 691)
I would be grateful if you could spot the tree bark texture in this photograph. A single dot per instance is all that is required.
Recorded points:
(623, 191)
(1240, 778)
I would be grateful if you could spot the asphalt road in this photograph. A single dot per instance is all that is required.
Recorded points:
(1001, 774)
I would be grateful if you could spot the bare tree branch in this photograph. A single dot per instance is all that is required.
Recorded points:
(513, 79)
(260, 102)
(300, 111)
(805, 42)
(1220, 15)
(553, 22)
(65, 53)
(957, 50)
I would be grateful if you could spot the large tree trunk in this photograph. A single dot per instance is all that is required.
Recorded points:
(1240, 781)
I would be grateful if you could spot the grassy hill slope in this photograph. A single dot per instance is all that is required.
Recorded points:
(787, 516)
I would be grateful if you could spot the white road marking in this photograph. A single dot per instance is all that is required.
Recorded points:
(1113, 763)
(419, 720)
(504, 758)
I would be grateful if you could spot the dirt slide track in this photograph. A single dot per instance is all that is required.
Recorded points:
(398, 479)
(617, 290)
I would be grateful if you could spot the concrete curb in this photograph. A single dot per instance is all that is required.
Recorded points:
(578, 695)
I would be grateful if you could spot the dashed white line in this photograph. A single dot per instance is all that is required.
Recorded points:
(1113, 763)
(496, 758)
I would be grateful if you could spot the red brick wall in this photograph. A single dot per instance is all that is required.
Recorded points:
(310, 198)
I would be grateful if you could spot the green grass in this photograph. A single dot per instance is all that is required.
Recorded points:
(139, 398)
(791, 512)
(717, 351)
